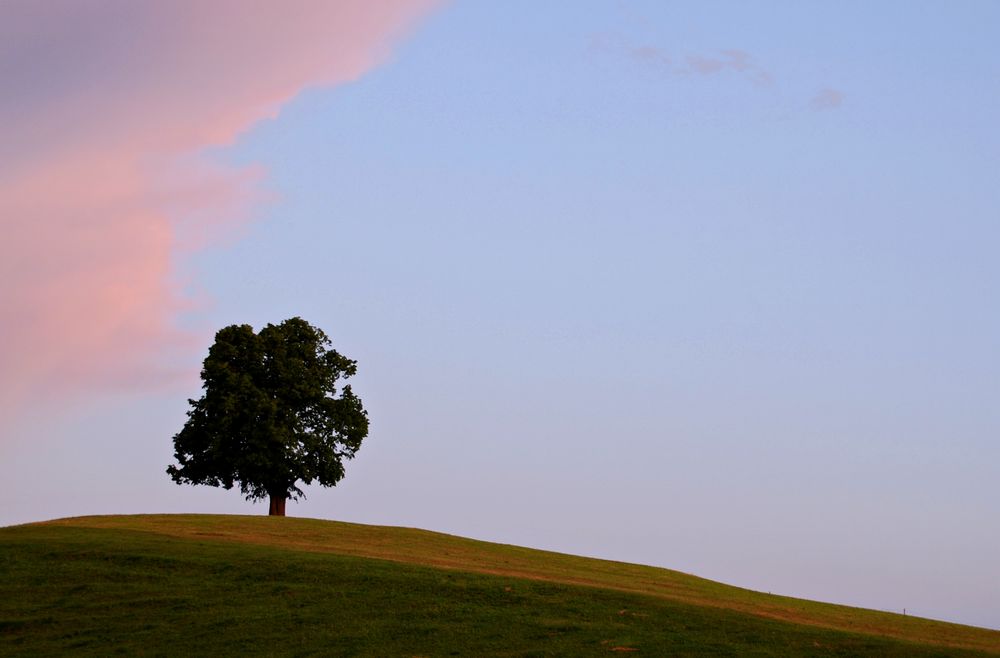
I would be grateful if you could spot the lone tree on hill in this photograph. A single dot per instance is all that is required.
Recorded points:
(270, 415)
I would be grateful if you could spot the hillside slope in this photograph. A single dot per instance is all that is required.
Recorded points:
(230, 584)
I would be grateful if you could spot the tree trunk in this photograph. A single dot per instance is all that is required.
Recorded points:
(277, 505)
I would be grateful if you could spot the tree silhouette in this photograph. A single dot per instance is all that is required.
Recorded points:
(270, 416)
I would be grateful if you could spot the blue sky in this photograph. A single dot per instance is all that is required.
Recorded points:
(704, 285)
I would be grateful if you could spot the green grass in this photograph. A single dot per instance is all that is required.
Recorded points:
(224, 585)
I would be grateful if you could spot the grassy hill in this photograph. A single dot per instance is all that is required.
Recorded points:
(227, 585)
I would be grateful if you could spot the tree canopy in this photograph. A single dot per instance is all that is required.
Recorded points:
(270, 416)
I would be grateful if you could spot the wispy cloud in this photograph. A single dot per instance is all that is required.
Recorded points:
(827, 99)
(731, 61)
(101, 107)
(737, 61)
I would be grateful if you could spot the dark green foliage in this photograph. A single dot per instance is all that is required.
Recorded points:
(270, 415)
(88, 592)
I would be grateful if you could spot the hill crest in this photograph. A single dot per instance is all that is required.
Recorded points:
(441, 551)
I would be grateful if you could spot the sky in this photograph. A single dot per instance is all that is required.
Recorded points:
(702, 285)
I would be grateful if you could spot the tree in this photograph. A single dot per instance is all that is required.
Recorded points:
(270, 415)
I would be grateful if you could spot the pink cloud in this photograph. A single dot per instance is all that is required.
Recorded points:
(650, 54)
(732, 60)
(827, 99)
(104, 106)
(737, 61)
